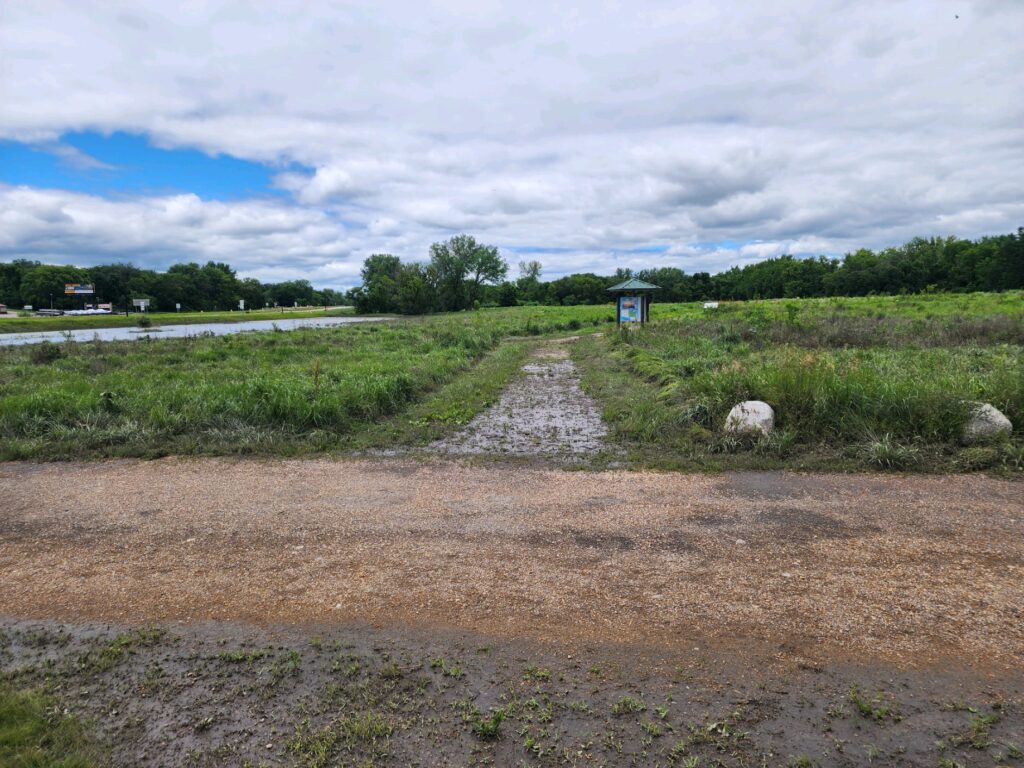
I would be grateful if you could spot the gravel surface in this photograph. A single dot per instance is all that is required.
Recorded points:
(909, 569)
(543, 413)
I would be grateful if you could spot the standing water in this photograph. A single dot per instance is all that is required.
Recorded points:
(178, 331)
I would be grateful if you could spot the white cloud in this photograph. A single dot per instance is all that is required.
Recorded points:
(588, 130)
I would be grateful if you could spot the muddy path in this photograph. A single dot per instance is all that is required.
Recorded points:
(910, 570)
(543, 413)
(224, 694)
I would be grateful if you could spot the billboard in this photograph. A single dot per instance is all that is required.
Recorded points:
(75, 289)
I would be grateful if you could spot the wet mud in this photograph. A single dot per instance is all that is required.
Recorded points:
(215, 694)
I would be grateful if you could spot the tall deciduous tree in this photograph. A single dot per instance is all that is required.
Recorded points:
(460, 266)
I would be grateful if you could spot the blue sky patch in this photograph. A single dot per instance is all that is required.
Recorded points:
(124, 163)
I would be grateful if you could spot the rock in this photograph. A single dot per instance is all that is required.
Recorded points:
(985, 423)
(751, 416)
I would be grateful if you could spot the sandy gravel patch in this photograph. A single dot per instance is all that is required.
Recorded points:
(545, 412)
(883, 566)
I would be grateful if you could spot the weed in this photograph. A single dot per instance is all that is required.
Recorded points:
(884, 452)
(651, 729)
(446, 669)
(365, 734)
(290, 666)
(489, 728)
(628, 704)
(538, 674)
(876, 708)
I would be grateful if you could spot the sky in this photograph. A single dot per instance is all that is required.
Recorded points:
(292, 140)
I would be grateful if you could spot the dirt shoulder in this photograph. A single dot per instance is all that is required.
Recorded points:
(219, 694)
(904, 569)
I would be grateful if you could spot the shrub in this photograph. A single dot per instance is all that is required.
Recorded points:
(45, 352)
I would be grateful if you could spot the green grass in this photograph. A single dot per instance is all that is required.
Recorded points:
(32, 324)
(263, 393)
(874, 382)
(34, 733)
(849, 388)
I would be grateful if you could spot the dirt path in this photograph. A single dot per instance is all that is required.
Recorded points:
(543, 413)
(908, 569)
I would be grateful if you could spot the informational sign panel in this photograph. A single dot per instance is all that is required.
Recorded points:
(629, 309)
(241, 303)
(74, 289)
(140, 303)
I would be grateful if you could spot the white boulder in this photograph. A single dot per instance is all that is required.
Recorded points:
(751, 416)
(985, 422)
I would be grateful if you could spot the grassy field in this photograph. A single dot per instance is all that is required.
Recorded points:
(276, 392)
(875, 382)
(872, 382)
(30, 324)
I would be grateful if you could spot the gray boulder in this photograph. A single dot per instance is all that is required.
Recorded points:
(751, 416)
(985, 423)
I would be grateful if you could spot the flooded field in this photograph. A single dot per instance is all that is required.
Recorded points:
(178, 331)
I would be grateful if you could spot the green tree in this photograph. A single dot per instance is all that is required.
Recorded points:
(459, 266)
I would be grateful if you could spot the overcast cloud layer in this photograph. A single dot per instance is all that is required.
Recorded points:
(703, 134)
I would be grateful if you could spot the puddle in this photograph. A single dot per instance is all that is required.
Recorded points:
(543, 413)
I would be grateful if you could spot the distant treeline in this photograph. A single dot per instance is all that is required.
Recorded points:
(209, 287)
(462, 273)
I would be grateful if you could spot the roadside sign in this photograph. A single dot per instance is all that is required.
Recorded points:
(241, 303)
(74, 289)
(177, 306)
(140, 303)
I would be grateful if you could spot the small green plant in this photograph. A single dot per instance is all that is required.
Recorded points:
(489, 728)
(290, 666)
(884, 452)
(651, 728)
(628, 704)
(538, 674)
(876, 708)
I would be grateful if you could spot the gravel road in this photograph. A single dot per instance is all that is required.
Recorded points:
(543, 413)
(904, 569)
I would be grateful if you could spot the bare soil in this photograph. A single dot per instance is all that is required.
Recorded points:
(911, 570)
